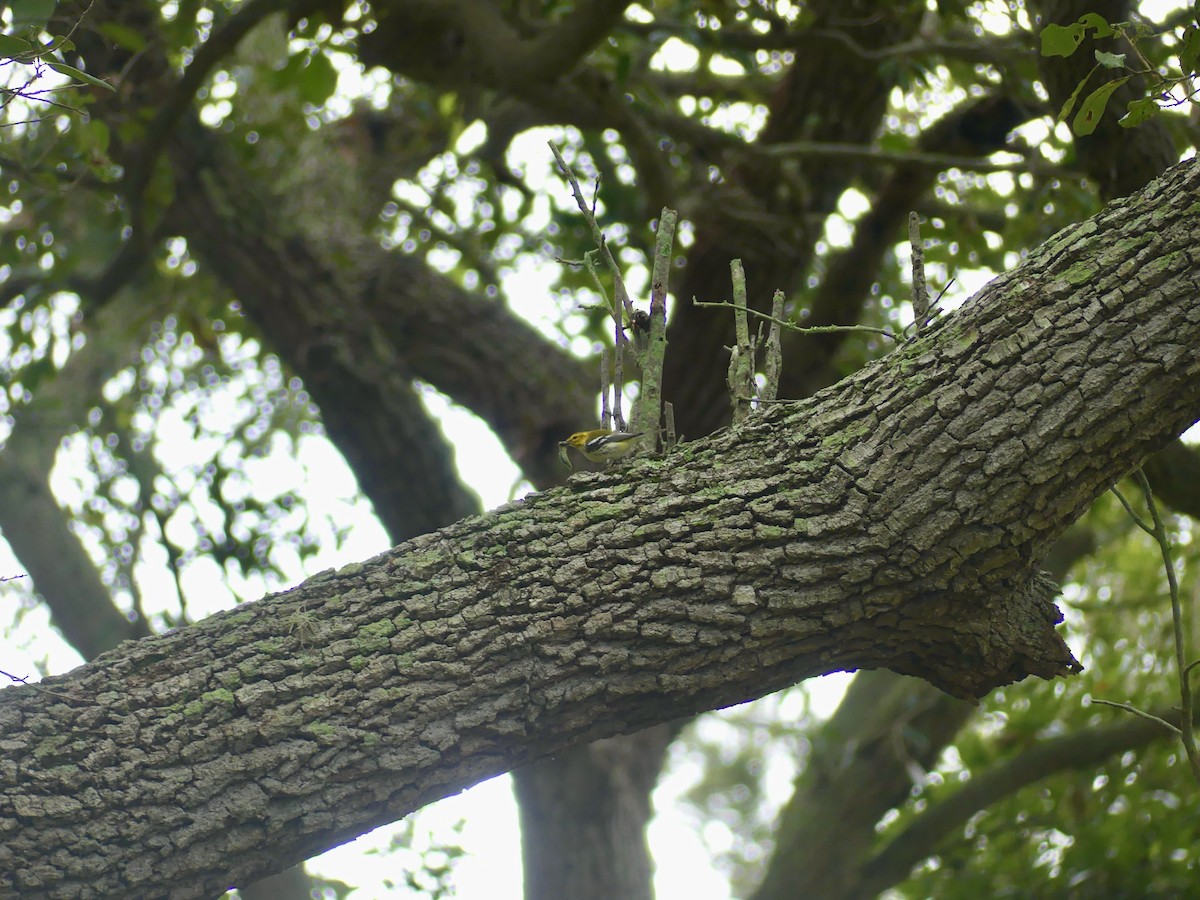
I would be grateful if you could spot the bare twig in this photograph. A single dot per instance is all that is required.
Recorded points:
(652, 352)
(802, 329)
(741, 356)
(589, 215)
(920, 289)
(1140, 713)
(1186, 711)
(1137, 520)
(45, 690)
(605, 414)
(773, 361)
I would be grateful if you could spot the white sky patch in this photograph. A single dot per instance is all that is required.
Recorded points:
(675, 56)
(723, 65)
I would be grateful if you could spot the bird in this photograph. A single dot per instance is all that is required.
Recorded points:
(600, 444)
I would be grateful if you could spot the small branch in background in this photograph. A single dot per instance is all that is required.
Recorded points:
(618, 373)
(801, 329)
(650, 333)
(465, 242)
(179, 101)
(669, 438)
(1156, 529)
(605, 414)
(589, 215)
(826, 150)
(1140, 713)
(920, 289)
(773, 361)
(1186, 710)
(741, 357)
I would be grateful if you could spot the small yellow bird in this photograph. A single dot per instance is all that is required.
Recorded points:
(600, 444)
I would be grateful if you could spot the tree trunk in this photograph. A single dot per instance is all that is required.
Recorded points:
(598, 795)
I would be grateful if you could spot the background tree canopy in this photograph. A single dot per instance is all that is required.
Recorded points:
(234, 230)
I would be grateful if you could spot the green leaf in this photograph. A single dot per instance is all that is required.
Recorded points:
(1092, 108)
(1138, 112)
(1073, 99)
(78, 74)
(14, 47)
(32, 13)
(1063, 40)
(1110, 60)
(1097, 22)
(1059, 40)
(1189, 52)
(123, 36)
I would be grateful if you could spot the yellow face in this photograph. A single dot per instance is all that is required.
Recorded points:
(578, 439)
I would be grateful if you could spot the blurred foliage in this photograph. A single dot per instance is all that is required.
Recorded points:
(427, 860)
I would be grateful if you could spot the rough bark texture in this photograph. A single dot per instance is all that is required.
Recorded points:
(886, 732)
(894, 520)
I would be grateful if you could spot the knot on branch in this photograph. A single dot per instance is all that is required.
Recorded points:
(1001, 639)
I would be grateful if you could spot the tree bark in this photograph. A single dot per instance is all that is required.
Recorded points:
(894, 520)
(887, 731)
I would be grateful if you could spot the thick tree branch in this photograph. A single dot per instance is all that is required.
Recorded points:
(894, 520)
(1174, 475)
(599, 793)
(327, 334)
(529, 391)
(404, 322)
(887, 731)
(471, 43)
